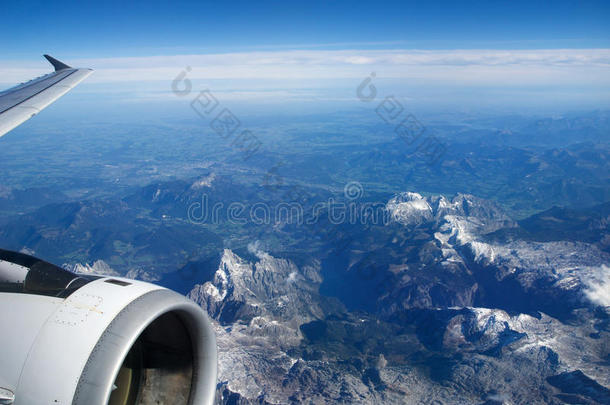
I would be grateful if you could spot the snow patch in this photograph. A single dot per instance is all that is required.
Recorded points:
(292, 277)
(204, 182)
(99, 267)
(409, 209)
(213, 292)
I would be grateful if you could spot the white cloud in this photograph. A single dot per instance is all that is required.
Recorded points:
(469, 67)
(256, 248)
(598, 285)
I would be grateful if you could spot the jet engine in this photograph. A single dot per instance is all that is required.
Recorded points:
(69, 338)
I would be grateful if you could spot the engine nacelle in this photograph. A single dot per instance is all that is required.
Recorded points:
(88, 340)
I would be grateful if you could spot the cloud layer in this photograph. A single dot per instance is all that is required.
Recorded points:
(468, 67)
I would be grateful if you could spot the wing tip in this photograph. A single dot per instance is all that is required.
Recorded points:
(58, 65)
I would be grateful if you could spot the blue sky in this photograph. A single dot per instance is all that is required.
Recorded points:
(485, 52)
(110, 29)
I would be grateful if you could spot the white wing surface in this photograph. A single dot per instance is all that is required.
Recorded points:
(22, 102)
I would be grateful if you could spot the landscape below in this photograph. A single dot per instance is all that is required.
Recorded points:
(480, 277)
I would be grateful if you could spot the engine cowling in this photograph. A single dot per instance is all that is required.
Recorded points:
(96, 340)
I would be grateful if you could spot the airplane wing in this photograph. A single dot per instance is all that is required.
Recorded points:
(22, 102)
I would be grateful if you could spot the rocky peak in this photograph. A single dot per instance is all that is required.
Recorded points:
(274, 287)
(412, 209)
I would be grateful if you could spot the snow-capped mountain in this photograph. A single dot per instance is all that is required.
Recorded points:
(280, 342)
